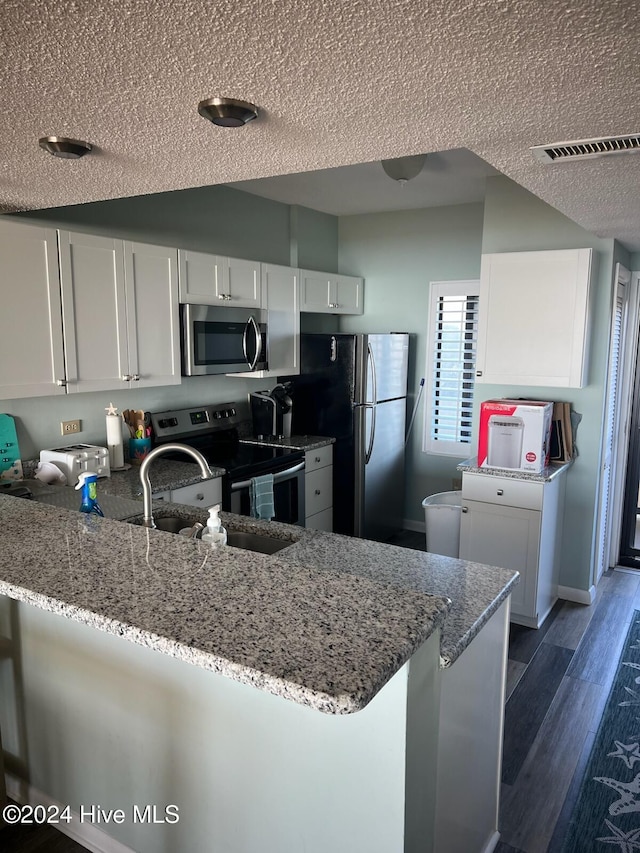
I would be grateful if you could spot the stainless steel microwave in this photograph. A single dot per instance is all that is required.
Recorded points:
(222, 340)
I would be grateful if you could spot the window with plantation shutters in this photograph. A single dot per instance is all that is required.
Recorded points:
(450, 374)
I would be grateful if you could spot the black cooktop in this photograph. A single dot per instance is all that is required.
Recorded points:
(240, 460)
(214, 431)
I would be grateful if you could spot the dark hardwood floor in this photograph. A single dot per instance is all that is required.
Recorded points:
(557, 683)
(36, 839)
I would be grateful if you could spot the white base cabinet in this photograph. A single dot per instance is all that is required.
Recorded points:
(204, 494)
(516, 524)
(318, 491)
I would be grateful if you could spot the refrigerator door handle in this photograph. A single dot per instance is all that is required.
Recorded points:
(374, 379)
(372, 434)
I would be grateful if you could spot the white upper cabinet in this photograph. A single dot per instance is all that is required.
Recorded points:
(280, 296)
(94, 313)
(216, 280)
(325, 293)
(119, 312)
(534, 318)
(153, 327)
(31, 349)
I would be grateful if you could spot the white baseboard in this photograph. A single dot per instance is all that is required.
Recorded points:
(86, 834)
(492, 843)
(409, 524)
(580, 596)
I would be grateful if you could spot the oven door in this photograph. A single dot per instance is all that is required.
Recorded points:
(288, 494)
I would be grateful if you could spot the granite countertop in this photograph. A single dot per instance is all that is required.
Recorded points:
(330, 640)
(325, 622)
(475, 590)
(470, 466)
(295, 442)
(165, 474)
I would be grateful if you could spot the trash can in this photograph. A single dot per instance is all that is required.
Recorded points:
(442, 523)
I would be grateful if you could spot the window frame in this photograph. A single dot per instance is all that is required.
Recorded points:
(437, 289)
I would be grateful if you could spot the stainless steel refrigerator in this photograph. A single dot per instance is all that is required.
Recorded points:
(354, 387)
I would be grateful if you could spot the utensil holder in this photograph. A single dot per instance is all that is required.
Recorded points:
(138, 449)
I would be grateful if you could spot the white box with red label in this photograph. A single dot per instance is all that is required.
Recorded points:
(515, 434)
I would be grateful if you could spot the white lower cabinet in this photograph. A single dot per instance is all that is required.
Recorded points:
(318, 489)
(206, 493)
(516, 524)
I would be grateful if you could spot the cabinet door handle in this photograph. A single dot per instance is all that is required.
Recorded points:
(61, 382)
(465, 509)
(225, 296)
(333, 305)
(500, 492)
(317, 458)
(478, 373)
(318, 491)
(126, 377)
(135, 377)
(199, 496)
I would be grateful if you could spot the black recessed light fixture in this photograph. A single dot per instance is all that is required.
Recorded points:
(65, 148)
(227, 112)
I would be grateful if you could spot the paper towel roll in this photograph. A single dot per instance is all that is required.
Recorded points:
(114, 441)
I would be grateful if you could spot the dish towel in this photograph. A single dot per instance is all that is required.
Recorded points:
(261, 494)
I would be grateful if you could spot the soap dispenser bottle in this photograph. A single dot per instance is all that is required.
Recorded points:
(87, 482)
(214, 533)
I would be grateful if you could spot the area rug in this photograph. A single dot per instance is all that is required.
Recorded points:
(607, 813)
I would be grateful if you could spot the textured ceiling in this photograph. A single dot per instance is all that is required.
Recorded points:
(338, 82)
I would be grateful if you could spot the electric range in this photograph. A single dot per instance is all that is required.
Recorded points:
(213, 430)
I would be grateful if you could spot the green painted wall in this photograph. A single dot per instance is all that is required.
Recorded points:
(399, 254)
(215, 219)
(517, 221)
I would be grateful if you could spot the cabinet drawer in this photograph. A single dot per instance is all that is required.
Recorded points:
(205, 494)
(318, 490)
(321, 521)
(318, 458)
(502, 490)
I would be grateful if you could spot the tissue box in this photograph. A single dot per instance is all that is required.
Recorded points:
(515, 434)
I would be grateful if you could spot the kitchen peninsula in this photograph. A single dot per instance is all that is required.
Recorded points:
(356, 650)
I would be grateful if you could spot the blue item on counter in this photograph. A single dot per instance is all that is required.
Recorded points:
(87, 482)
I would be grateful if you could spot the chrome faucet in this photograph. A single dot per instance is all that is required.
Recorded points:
(205, 471)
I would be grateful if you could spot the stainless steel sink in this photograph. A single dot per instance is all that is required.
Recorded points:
(256, 542)
(235, 538)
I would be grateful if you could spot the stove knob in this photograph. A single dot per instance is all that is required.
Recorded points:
(232, 413)
(217, 415)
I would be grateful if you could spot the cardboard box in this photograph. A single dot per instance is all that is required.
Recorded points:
(515, 434)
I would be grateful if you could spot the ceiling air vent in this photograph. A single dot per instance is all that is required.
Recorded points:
(583, 149)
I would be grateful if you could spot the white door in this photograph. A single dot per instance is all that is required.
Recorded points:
(94, 312)
(508, 537)
(243, 289)
(31, 352)
(610, 445)
(153, 334)
(202, 278)
(347, 295)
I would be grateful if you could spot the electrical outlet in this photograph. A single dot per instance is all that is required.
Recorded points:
(68, 427)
